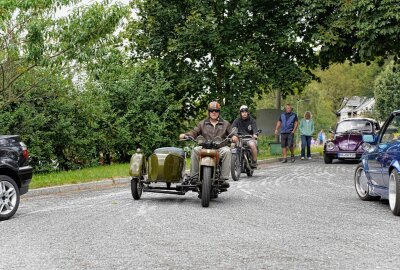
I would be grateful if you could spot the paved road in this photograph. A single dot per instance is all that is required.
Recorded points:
(304, 215)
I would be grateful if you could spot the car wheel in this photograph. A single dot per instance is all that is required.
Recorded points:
(9, 197)
(361, 185)
(327, 159)
(394, 192)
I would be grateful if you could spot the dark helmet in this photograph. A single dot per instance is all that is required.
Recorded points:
(214, 106)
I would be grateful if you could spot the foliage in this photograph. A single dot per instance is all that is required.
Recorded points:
(387, 92)
(144, 111)
(225, 50)
(32, 39)
(56, 122)
(359, 31)
(40, 57)
(344, 80)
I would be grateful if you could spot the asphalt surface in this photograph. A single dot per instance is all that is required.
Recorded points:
(304, 215)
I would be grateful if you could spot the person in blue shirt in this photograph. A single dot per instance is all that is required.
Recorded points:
(287, 122)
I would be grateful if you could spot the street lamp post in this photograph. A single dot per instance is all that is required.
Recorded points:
(298, 116)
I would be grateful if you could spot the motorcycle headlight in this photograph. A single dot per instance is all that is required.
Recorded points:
(330, 146)
(366, 146)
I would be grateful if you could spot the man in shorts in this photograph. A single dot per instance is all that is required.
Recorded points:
(288, 123)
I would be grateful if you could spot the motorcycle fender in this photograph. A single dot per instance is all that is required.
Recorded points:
(207, 161)
(136, 165)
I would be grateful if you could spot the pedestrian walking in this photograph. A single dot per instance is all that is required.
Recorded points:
(306, 132)
(321, 137)
(288, 123)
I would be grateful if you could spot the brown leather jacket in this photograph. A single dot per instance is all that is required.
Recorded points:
(222, 129)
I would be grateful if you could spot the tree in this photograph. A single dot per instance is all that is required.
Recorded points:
(387, 92)
(31, 38)
(143, 110)
(358, 31)
(225, 50)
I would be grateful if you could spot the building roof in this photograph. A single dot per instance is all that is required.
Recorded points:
(354, 104)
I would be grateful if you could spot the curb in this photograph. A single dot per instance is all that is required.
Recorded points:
(109, 183)
(278, 159)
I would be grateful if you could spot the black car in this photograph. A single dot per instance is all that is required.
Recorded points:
(15, 174)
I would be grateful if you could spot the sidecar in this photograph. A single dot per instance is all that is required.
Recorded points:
(165, 165)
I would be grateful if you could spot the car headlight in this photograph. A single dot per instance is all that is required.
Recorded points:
(330, 145)
(366, 146)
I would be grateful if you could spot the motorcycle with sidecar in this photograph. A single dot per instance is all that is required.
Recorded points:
(164, 171)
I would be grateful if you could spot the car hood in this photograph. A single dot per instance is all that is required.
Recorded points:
(348, 142)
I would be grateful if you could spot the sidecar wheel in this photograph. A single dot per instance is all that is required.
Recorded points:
(206, 186)
(235, 167)
(136, 188)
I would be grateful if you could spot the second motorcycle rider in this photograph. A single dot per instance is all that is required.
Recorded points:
(246, 125)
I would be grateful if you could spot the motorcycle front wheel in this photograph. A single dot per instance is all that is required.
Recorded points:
(236, 167)
(206, 186)
(249, 170)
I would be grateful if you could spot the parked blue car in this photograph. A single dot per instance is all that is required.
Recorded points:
(377, 176)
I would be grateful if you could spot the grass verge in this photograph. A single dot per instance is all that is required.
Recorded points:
(80, 176)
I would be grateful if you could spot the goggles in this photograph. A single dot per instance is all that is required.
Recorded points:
(211, 111)
(244, 110)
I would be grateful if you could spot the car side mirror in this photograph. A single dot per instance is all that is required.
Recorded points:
(369, 138)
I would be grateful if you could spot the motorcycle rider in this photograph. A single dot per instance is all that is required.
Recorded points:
(210, 128)
(246, 125)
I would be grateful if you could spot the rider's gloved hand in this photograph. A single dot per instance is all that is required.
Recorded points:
(235, 139)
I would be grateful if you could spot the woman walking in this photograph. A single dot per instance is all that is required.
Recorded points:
(306, 132)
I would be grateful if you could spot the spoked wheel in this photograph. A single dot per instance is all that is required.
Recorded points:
(206, 186)
(361, 184)
(236, 167)
(394, 192)
(249, 169)
(9, 197)
(136, 188)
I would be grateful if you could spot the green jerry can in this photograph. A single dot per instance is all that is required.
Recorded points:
(167, 164)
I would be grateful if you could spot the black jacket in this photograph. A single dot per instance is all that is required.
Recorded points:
(246, 126)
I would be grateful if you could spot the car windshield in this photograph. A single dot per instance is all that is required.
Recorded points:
(354, 126)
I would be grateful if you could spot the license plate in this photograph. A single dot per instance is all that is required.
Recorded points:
(347, 155)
